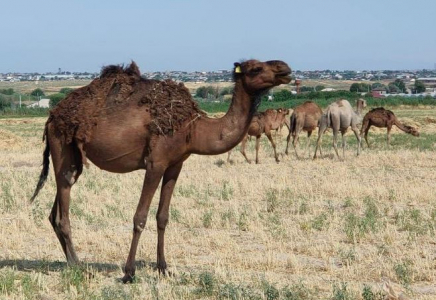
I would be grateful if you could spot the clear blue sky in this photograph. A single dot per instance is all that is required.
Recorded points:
(190, 35)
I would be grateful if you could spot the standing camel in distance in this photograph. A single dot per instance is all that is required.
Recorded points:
(339, 116)
(383, 118)
(263, 122)
(122, 123)
(305, 117)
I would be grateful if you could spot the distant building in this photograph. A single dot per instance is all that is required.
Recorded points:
(429, 82)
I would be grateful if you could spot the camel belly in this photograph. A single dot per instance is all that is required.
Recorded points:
(119, 143)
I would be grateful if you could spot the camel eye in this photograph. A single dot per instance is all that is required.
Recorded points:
(256, 70)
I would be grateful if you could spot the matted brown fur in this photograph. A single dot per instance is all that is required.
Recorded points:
(170, 104)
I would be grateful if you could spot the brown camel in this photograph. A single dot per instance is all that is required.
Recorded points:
(305, 117)
(339, 116)
(263, 122)
(122, 123)
(382, 118)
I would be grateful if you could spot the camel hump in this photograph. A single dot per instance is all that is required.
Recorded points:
(131, 70)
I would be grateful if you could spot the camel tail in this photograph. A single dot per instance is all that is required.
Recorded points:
(293, 124)
(45, 167)
(329, 121)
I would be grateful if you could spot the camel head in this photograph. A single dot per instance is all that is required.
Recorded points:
(258, 77)
(412, 130)
(361, 102)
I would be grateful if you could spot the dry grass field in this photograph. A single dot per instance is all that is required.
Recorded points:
(363, 228)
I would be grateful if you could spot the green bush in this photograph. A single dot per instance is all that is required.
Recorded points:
(9, 91)
(66, 91)
(37, 92)
(56, 98)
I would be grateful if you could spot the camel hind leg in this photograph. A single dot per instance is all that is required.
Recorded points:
(287, 143)
(67, 165)
(309, 134)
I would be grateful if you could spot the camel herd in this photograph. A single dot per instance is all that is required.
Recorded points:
(122, 122)
(338, 116)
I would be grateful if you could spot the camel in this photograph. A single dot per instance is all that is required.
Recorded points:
(339, 116)
(122, 123)
(263, 122)
(382, 118)
(304, 117)
(285, 121)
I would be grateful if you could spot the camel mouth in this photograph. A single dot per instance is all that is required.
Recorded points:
(284, 77)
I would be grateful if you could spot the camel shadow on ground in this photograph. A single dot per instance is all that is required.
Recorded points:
(45, 266)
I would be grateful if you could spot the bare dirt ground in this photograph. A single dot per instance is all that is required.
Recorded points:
(301, 228)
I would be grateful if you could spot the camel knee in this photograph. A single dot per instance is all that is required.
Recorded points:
(162, 220)
(139, 221)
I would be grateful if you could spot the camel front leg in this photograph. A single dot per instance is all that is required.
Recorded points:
(152, 178)
(243, 144)
(366, 137)
(321, 131)
(335, 142)
(269, 136)
(388, 140)
(257, 148)
(168, 184)
(359, 139)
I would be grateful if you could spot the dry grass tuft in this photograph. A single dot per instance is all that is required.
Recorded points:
(8, 140)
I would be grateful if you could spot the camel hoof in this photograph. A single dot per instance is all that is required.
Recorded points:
(128, 278)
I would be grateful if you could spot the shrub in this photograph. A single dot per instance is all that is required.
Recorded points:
(56, 98)
(37, 92)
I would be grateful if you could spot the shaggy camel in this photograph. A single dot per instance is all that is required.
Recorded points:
(305, 117)
(122, 123)
(382, 118)
(263, 122)
(339, 116)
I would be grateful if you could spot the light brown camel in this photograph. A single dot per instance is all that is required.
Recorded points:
(122, 123)
(285, 121)
(263, 122)
(339, 116)
(304, 117)
(382, 118)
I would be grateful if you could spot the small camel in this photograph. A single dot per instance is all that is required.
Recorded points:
(304, 117)
(339, 116)
(263, 122)
(383, 118)
(123, 122)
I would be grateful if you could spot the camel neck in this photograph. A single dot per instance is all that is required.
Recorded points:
(216, 136)
(359, 108)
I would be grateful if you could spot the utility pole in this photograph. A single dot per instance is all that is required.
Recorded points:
(20, 100)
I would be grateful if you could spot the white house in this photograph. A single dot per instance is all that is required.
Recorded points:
(41, 103)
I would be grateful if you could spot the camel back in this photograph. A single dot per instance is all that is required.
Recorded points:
(170, 104)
